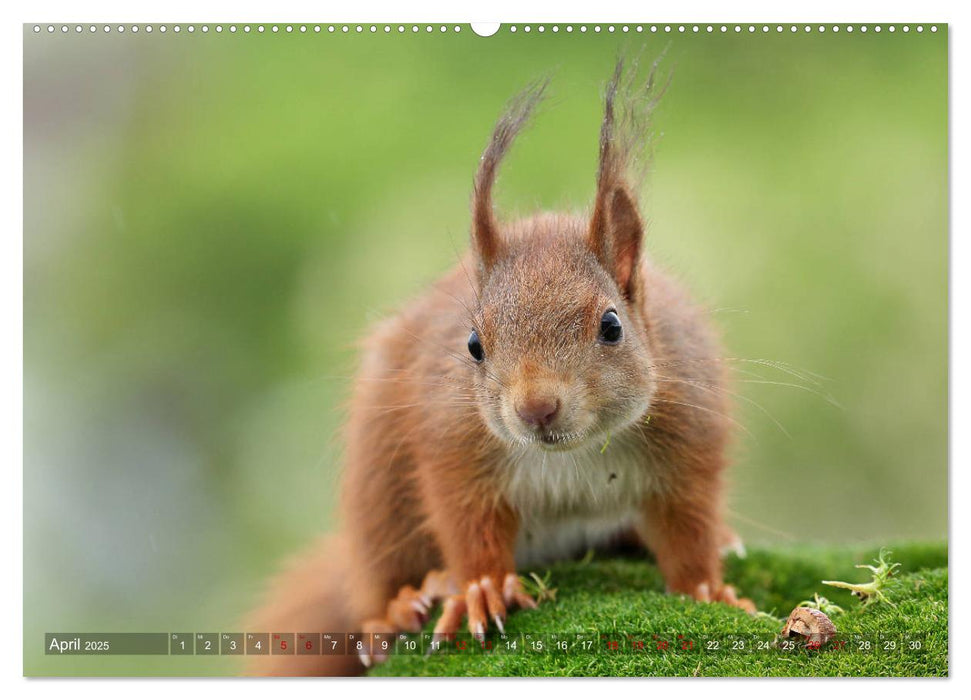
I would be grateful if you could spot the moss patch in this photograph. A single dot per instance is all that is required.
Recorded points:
(622, 600)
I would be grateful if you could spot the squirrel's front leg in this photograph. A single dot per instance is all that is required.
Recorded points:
(682, 527)
(477, 537)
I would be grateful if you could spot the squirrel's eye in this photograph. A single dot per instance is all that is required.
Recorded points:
(610, 329)
(475, 347)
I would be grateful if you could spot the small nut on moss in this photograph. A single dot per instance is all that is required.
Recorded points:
(812, 625)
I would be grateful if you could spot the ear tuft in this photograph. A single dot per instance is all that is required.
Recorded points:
(616, 229)
(485, 228)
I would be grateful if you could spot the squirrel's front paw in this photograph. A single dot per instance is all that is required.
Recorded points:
(722, 593)
(409, 610)
(483, 601)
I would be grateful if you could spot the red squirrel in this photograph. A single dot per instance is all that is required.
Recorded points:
(554, 391)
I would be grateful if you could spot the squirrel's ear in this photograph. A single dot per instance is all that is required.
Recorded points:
(615, 238)
(486, 240)
(616, 228)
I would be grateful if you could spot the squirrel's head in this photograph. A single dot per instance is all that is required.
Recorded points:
(559, 338)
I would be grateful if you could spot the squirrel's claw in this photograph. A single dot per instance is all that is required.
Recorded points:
(452, 613)
(722, 593)
(409, 611)
(368, 659)
(481, 603)
(514, 594)
(727, 595)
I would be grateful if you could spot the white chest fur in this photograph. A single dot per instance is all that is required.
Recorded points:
(568, 501)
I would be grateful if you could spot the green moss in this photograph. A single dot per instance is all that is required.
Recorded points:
(612, 598)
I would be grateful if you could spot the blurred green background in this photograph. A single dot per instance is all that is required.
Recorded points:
(212, 220)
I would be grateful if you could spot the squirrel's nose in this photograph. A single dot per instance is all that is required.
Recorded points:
(538, 412)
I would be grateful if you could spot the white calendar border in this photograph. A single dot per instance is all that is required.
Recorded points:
(606, 11)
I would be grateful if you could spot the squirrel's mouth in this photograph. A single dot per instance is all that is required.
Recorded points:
(555, 441)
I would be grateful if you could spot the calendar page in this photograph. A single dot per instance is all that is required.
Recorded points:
(514, 349)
